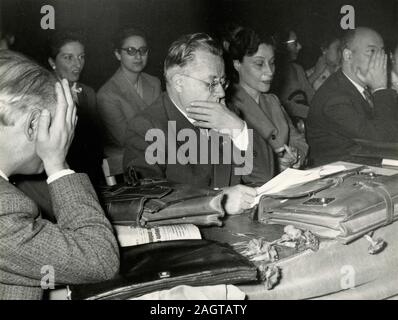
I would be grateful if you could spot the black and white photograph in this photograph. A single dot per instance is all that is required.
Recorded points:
(211, 152)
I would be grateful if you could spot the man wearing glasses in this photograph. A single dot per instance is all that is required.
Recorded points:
(194, 71)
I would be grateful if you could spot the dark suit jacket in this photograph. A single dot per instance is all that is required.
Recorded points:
(295, 79)
(157, 116)
(86, 151)
(118, 103)
(339, 114)
(81, 247)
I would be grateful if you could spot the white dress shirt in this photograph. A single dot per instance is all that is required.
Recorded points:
(394, 81)
(3, 175)
(50, 179)
(360, 88)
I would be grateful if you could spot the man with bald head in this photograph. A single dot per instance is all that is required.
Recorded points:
(354, 103)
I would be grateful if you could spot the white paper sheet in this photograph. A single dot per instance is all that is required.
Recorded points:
(291, 177)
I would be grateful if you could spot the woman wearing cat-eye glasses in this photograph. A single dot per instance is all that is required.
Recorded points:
(128, 91)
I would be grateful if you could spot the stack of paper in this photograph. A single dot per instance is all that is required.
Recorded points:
(291, 177)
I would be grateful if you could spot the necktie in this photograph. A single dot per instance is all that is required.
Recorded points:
(368, 97)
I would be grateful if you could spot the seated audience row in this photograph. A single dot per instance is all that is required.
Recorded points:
(200, 131)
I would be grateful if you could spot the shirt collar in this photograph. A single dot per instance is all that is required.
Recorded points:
(183, 113)
(3, 175)
(358, 86)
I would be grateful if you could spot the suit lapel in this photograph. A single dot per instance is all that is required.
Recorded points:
(258, 118)
(221, 172)
(147, 89)
(346, 83)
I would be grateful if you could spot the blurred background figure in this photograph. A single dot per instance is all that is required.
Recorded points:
(254, 63)
(291, 83)
(328, 63)
(227, 34)
(6, 40)
(394, 67)
(128, 91)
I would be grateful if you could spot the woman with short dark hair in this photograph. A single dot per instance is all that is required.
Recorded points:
(254, 62)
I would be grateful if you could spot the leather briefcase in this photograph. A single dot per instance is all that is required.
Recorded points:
(158, 202)
(344, 206)
(163, 265)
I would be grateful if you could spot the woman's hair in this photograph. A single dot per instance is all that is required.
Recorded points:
(246, 43)
(125, 33)
(59, 39)
(328, 38)
(227, 33)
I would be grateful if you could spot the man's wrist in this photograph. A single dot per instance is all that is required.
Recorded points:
(59, 174)
(52, 168)
(238, 129)
(378, 88)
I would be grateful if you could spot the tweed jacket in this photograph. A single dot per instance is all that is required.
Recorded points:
(80, 248)
(339, 114)
(118, 102)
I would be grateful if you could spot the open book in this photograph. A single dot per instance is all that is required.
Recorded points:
(133, 236)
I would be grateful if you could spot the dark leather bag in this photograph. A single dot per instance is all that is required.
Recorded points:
(344, 206)
(163, 265)
(157, 202)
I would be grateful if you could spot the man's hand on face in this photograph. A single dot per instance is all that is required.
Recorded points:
(376, 75)
(214, 115)
(55, 135)
(239, 198)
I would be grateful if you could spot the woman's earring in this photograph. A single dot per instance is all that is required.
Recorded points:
(53, 67)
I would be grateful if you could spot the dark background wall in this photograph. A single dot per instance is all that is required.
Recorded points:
(165, 20)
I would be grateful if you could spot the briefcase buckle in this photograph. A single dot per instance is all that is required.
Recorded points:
(323, 201)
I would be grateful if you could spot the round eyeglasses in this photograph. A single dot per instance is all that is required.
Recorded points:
(212, 86)
(131, 51)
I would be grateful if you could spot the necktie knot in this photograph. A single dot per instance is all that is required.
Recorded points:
(368, 96)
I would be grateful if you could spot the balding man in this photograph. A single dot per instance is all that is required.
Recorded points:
(354, 103)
